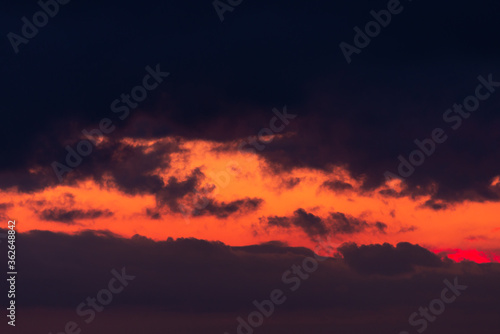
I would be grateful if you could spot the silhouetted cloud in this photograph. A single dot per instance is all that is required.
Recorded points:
(337, 185)
(70, 216)
(336, 223)
(216, 98)
(309, 223)
(178, 276)
(174, 190)
(224, 210)
(388, 260)
(345, 224)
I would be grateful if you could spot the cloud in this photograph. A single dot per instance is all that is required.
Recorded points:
(188, 196)
(410, 228)
(277, 221)
(312, 225)
(224, 210)
(435, 205)
(388, 260)
(382, 227)
(214, 94)
(70, 216)
(337, 223)
(174, 190)
(337, 185)
(291, 182)
(178, 277)
(115, 162)
(345, 224)
(216, 100)
(153, 213)
(3, 208)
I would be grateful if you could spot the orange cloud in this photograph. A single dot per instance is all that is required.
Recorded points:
(231, 175)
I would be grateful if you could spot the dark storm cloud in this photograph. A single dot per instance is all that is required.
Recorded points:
(130, 167)
(337, 223)
(69, 216)
(369, 282)
(226, 78)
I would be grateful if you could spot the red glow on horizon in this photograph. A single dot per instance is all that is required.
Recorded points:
(459, 255)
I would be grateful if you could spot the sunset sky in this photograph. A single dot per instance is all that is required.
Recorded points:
(209, 146)
(225, 175)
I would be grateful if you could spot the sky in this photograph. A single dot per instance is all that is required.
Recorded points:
(334, 162)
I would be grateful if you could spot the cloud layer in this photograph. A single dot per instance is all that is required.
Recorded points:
(197, 276)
